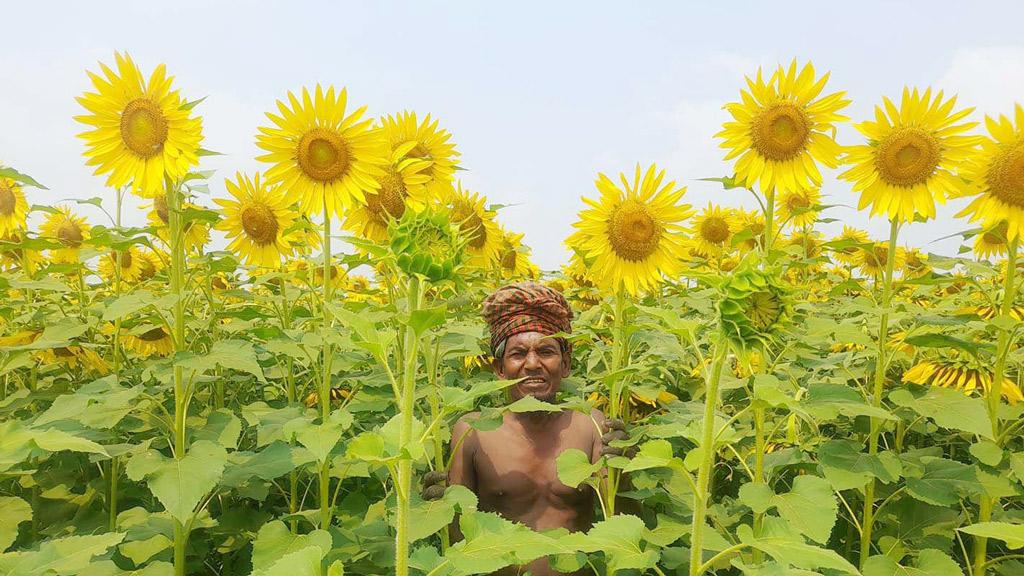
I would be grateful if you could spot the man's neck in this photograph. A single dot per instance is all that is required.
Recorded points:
(536, 420)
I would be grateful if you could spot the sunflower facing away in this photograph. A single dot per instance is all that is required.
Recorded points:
(197, 234)
(403, 185)
(781, 130)
(153, 342)
(71, 230)
(909, 160)
(713, 230)
(633, 236)
(256, 220)
(915, 264)
(850, 238)
(873, 259)
(997, 176)
(141, 130)
(992, 242)
(328, 159)
(427, 142)
(800, 207)
(13, 207)
(133, 265)
(751, 226)
(477, 225)
(514, 257)
(959, 374)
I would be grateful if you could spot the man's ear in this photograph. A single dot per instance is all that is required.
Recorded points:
(499, 369)
(566, 361)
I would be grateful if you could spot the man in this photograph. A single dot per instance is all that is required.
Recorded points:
(512, 469)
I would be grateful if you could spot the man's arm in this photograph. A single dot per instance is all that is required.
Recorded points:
(462, 471)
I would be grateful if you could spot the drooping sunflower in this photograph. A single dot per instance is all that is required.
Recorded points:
(428, 142)
(909, 161)
(142, 130)
(403, 185)
(800, 207)
(781, 130)
(71, 230)
(75, 358)
(477, 225)
(960, 374)
(988, 312)
(13, 207)
(850, 239)
(992, 242)
(133, 265)
(754, 308)
(996, 174)
(514, 257)
(713, 229)
(873, 259)
(633, 236)
(153, 342)
(256, 220)
(427, 243)
(196, 234)
(327, 159)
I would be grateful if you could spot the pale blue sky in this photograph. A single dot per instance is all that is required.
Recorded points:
(540, 96)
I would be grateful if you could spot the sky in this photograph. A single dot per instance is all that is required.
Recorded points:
(540, 96)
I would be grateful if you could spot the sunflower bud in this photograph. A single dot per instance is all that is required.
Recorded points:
(754, 309)
(426, 244)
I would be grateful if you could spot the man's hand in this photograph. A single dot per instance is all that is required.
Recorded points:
(615, 429)
(434, 484)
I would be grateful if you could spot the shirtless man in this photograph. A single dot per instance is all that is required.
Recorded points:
(512, 469)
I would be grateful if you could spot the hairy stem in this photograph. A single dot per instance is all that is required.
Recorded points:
(701, 495)
(407, 403)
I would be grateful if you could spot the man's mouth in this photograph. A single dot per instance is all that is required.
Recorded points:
(534, 382)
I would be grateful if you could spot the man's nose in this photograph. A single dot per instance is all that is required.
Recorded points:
(532, 360)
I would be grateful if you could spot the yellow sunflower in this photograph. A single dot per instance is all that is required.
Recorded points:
(997, 176)
(909, 160)
(580, 287)
(713, 229)
(327, 159)
(988, 312)
(133, 265)
(799, 208)
(849, 255)
(781, 130)
(141, 130)
(992, 242)
(959, 374)
(425, 141)
(402, 185)
(12, 257)
(196, 234)
(13, 207)
(633, 235)
(514, 257)
(151, 262)
(75, 358)
(153, 342)
(256, 220)
(303, 235)
(477, 226)
(71, 230)
(809, 241)
(873, 259)
(751, 225)
(916, 264)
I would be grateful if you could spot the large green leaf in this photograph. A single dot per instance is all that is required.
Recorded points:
(492, 542)
(13, 511)
(948, 408)
(846, 467)
(620, 538)
(230, 354)
(943, 482)
(1012, 534)
(180, 484)
(272, 462)
(434, 515)
(60, 557)
(810, 507)
(275, 541)
(930, 562)
(827, 401)
(100, 404)
(574, 467)
(320, 439)
(792, 552)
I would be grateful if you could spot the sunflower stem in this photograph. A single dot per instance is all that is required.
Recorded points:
(406, 402)
(995, 392)
(618, 395)
(116, 361)
(769, 222)
(325, 380)
(178, 337)
(876, 396)
(701, 495)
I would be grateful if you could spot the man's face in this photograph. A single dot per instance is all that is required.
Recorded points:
(536, 358)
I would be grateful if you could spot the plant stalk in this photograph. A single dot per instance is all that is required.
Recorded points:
(406, 402)
(178, 337)
(707, 462)
(325, 380)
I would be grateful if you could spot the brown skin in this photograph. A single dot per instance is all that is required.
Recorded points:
(512, 468)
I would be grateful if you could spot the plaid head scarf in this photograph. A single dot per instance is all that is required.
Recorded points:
(526, 307)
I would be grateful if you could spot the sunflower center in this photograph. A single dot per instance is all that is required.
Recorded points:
(1006, 176)
(259, 223)
(126, 258)
(472, 226)
(797, 202)
(323, 155)
(143, 127)
(714, 230)
(7, 199)
(878, 256)
(764, 310)
(419, 151)
(632, 231)
(160, 205)
(153, 335)
(70, 234)
(907, 157)
(508, 259)
(389, 201)
(780, 131)
(997, 235)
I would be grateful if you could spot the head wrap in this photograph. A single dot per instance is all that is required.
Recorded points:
(526, 307)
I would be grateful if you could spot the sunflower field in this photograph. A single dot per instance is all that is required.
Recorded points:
(255, 381)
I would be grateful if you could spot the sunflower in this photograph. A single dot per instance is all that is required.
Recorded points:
(142, 131)
(850, 239)
(809, 242)
(988, 312)
(424, 141)
(781, 130)
(75, 358)
(997, 176)
(153, 342)
(992, 242)
(755, 307)
(910, 156)
(151, 262)
(633, 235)
(959, 374)
(916, 264)
(13, 207)
(403, 185)
(751, 227)
(713, 229)
(256, 220)
(196, 233)
(12, 257)
(132, 265)
(872, 260)
(428, 244)
(325, 158)
(800, 207)
(477, 226)
(514, 257)
(71, 230)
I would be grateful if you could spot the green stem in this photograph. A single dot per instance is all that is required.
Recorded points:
(618, 395)
(325, 380)
(995, 392)
(701, 494)
(876, 397)
(769, 222)
(407, 403)
(116, 361)
(178, 336)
